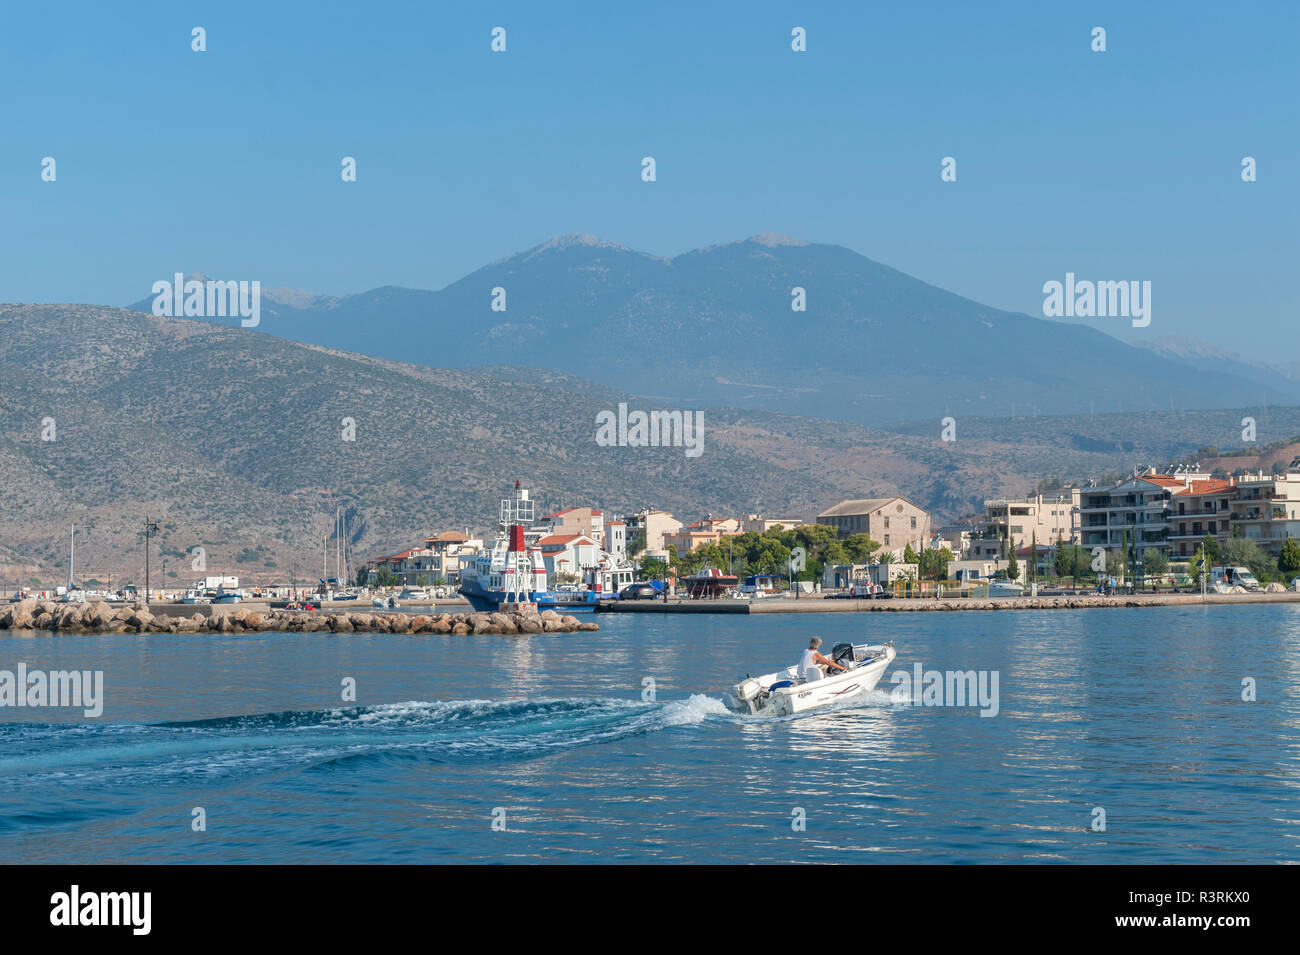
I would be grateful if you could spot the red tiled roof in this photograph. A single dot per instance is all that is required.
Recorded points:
(1161, 480)
(1213, 486)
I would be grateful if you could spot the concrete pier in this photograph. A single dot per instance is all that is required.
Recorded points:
(1082, 601)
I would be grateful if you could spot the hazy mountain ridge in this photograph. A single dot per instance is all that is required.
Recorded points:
(875, 346)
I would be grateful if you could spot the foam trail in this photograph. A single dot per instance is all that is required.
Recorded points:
(257, 743)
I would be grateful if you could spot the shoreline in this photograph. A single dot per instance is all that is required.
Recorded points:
(940, 604)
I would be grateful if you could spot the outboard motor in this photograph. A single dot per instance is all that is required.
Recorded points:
(842, 653)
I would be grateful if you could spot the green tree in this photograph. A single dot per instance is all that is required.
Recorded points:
(1155, 563)
(1210, 547)
(653, 568)
(1063, 559)
(1013, 566)
(858, 548)
(1244, 552)
(636, 544)
(384, 577)
(1289, 562)
(934, 563)
(1081, 566)
(909, 555)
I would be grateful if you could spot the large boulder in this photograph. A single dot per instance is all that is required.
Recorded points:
(68, 618)
(23, 613)
(98, 615)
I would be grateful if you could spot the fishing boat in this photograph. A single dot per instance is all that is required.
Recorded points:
(511, 572)
(786, 692)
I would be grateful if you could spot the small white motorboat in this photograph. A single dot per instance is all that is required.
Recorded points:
(785, 692)
(999, 587)
(382, 602)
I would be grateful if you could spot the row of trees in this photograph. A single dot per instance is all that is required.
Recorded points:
(769, 552)
(1072, 560)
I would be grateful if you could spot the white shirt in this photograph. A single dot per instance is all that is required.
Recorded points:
(806, 663)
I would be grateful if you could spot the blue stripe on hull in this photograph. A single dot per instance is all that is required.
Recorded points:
(489, 600)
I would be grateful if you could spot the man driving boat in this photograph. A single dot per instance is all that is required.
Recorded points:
(812, 659)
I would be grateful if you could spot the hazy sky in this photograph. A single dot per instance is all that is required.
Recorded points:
(1117, 165)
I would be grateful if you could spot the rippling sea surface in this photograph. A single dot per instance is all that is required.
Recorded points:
(1134, 712)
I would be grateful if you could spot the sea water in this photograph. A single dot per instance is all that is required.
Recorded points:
(1120, 736)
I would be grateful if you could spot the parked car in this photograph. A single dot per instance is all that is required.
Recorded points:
(637, 592)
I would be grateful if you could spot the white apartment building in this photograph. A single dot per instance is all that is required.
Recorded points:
(1040, 518)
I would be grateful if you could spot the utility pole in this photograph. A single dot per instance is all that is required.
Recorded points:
(150, 529)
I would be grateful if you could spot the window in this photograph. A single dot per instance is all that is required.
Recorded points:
(886, 525)
(913, 523)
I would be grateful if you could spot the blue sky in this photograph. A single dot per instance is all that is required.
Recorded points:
(1115, 165)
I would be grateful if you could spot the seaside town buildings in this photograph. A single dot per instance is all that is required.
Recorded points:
(1041, 518)
(439, 559)
(893, 521)
(1170, 510)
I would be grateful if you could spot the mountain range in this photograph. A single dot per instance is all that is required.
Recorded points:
(234, 441)
(716, 326)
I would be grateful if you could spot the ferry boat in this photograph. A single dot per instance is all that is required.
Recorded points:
(513, 572)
